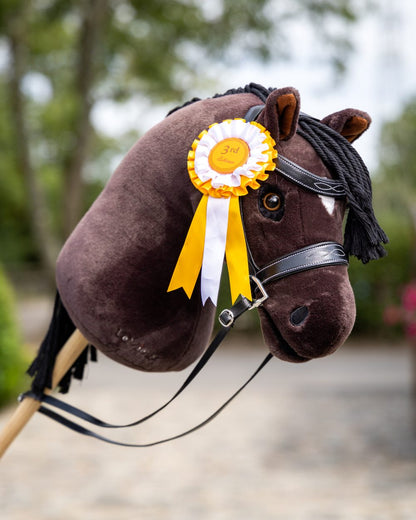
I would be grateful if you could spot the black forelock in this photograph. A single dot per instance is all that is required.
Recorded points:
(363, 236)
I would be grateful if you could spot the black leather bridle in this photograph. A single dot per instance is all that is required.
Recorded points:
(311, 257)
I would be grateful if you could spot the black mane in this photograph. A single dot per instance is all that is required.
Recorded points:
(253, 88)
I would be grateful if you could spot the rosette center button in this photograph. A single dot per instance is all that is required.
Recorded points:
(228, 155)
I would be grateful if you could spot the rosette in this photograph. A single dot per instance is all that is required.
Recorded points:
(223, 162)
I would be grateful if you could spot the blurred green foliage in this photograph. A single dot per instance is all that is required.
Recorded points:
(379, 284)
(60, 59)
(12, 359)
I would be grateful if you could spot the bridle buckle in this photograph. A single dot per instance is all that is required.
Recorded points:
(264, 295)
(226, 318)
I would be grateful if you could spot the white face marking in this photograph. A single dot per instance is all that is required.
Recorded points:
(328, 202)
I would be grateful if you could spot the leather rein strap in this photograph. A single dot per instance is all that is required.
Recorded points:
(310, 257)
(227, 319)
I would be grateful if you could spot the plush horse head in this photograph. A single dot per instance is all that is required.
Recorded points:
(114, 270)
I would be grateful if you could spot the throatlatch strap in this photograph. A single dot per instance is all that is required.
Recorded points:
(232, 315)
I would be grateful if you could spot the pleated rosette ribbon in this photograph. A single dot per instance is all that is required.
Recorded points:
(224, 161)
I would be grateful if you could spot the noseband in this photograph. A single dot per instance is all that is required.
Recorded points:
(313, 256)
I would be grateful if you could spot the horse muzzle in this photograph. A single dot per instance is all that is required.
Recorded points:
(308, 315)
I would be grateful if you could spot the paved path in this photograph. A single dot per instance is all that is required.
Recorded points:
(333, 439)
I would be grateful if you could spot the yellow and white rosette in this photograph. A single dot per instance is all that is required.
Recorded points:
(224, 161)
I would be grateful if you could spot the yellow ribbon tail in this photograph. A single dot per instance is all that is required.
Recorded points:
(189, 262)
(236, 253)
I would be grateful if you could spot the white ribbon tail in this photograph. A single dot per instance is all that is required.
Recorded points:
(214, 247)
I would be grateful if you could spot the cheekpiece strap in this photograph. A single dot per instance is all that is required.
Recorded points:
(253, 112)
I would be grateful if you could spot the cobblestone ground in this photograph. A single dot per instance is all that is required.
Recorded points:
(333, 439)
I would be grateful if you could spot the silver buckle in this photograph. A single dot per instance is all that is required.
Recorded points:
(226, 318)
(263, 292)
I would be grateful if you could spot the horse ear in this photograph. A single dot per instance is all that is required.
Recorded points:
(281, 113)
(350, 123)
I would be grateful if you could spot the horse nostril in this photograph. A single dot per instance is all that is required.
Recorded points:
(299, 315)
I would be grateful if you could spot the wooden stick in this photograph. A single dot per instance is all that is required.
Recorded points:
(65, 359)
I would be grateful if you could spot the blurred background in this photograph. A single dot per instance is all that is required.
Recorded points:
(80, 82)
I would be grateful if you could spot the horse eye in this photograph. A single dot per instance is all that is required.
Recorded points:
(272, 201)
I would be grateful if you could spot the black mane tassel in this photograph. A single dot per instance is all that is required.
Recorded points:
(363, 235)
(41, 369)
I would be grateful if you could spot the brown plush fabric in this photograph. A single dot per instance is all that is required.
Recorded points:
(326, 292)
(350, 123)
(115, 268)
(281, 113)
